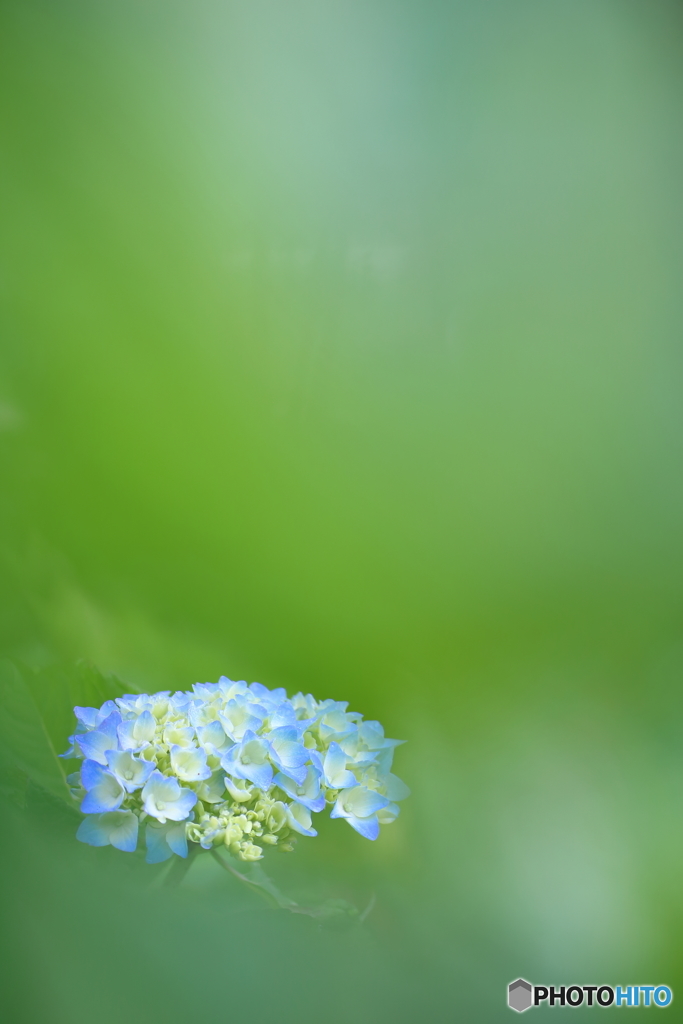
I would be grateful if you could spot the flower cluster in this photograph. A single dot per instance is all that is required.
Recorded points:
(227, 764)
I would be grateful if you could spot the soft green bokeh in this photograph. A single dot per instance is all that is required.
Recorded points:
(341, 351)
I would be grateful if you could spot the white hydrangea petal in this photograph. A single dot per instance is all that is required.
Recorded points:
(362, 802)
(395, 788)
(299, 818)
(189, 764)
(387, 815)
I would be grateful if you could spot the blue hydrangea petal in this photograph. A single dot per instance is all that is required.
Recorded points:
(298, 775)
(240, 716)
(131, 772)
(366, 827)
(260, 774)
(158, 849)
(107, 795)
(92, 773)
(176, 837)
(231, 688)
(288, 751)
(183, 805)
(213, 738)
(299, 818)
(92, 832)
(268, 697)
(94, 744)
(306, 793)
(123, 831)
(72, 751)
(362, 802)
(337, 776)
(284, 716)
(89, 717)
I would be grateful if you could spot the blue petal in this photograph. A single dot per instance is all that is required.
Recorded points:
(286, 784)
(249, 735)
(285, 715)
(213, 734)
(235, 770)
(110, 725)
(297, 774)
(291, 754)
(367, 827)
(106, 709)
(260, 774)
(229, 758)
(107, 795)
(92, 773)
(93, 745)
(72, 751)
(88, 716)
(180, 810)
(124, 833)
(145, 726)
(336, 774)
(126, 735)
(298, 826)
(177, 839)
(90, 831)
(105, 737)
(292, 790)
(158, 849)
(284, 733)
(338, 811)
(121, 761)
(364, 802)
(259, 690)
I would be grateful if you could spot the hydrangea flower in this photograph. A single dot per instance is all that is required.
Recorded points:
(227, 764)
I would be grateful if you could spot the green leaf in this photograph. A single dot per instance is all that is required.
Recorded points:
(58, 689)
(37, 718)
(25, 737)
(13, 782)
(333, 913)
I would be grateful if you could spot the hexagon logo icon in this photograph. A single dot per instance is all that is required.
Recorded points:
(519, 995)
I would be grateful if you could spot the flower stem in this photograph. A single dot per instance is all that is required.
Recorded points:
(259, 882)
(267, 891)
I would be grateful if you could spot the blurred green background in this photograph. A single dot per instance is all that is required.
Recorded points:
(341, 351)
